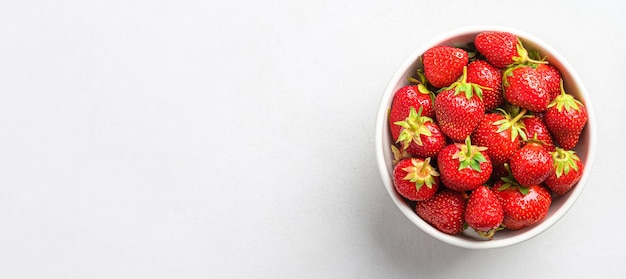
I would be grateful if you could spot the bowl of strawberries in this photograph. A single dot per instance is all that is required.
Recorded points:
(485, 137)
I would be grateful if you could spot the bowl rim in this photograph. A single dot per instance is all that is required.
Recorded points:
(453, 239)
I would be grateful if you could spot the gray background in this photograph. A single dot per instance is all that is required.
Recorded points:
(232, 139)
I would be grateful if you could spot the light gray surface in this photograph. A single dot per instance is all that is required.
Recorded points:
(232, 139)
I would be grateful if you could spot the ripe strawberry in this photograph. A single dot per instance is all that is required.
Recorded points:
(420, 135)
(463, 167)
(501, 49)
(444, 64)
(523, 206)
(415, 179)
(501, 135)
(524, 87)
(444, 211)
(459, 108)
(531, 164)
(410, 96)
(484, 212)
(536, 128)
(568, 169)
(551, 78)
(484, 74)
(565, 118)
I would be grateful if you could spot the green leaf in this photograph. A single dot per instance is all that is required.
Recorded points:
(559, 170)
(475, 165)
(464, 164)
(480, 158)
(524, 190)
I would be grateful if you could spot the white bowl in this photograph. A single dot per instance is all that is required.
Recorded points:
(560, 205)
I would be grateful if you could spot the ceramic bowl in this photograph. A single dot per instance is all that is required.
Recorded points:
(560, 205)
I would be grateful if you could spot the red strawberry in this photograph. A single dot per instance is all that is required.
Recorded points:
(523, 206)
(406, 97)
(501, 135)
(415, 179)
(459, 108)
(524, 87)
(444, 64)
(420, 135)
(484, 74)
(463, 167)
(501, 49)
(536, 128)
(444, 211)
(568, 169)
(565, 118)
(531, 164)
(551, 78)
(484, 212)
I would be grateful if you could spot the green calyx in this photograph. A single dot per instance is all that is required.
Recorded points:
(517, 127)
(470, 155)
(510, 182)
(413, 127)
(524, 57)
(564, 161)
(467, 88)
(566, 101)
(398, 154)
(421, 173)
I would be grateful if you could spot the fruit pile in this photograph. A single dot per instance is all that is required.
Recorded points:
(485, 136)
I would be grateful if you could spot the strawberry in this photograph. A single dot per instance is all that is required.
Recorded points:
(484, 212)
(501, 135)
(501, 49)
(536, 128)
(568, 169)
(444, 64)
(459, 108)
(444, 211)
(551, 78)
(463, 167)
(531, 164)
(415, 179)
(406, 97)
(565, 118)
(523, 206)
(484, 74)
(420, 135)
(524, 87)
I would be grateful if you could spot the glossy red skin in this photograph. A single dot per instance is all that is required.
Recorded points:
(444, 211)
(523, 210)
(405, 98)
(484, 74)
(443, 65)
(526, 89)
(407, 188)
(531, 164)
(484, 211)
(465, 179)
(561, 185)
(499, 48)
(499, 145)
(566, 125)
(458, 116)
(552, 79)
(535, 126)
(431, 145)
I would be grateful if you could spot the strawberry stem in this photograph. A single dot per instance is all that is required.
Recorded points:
(425, 169)
(518, 116)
